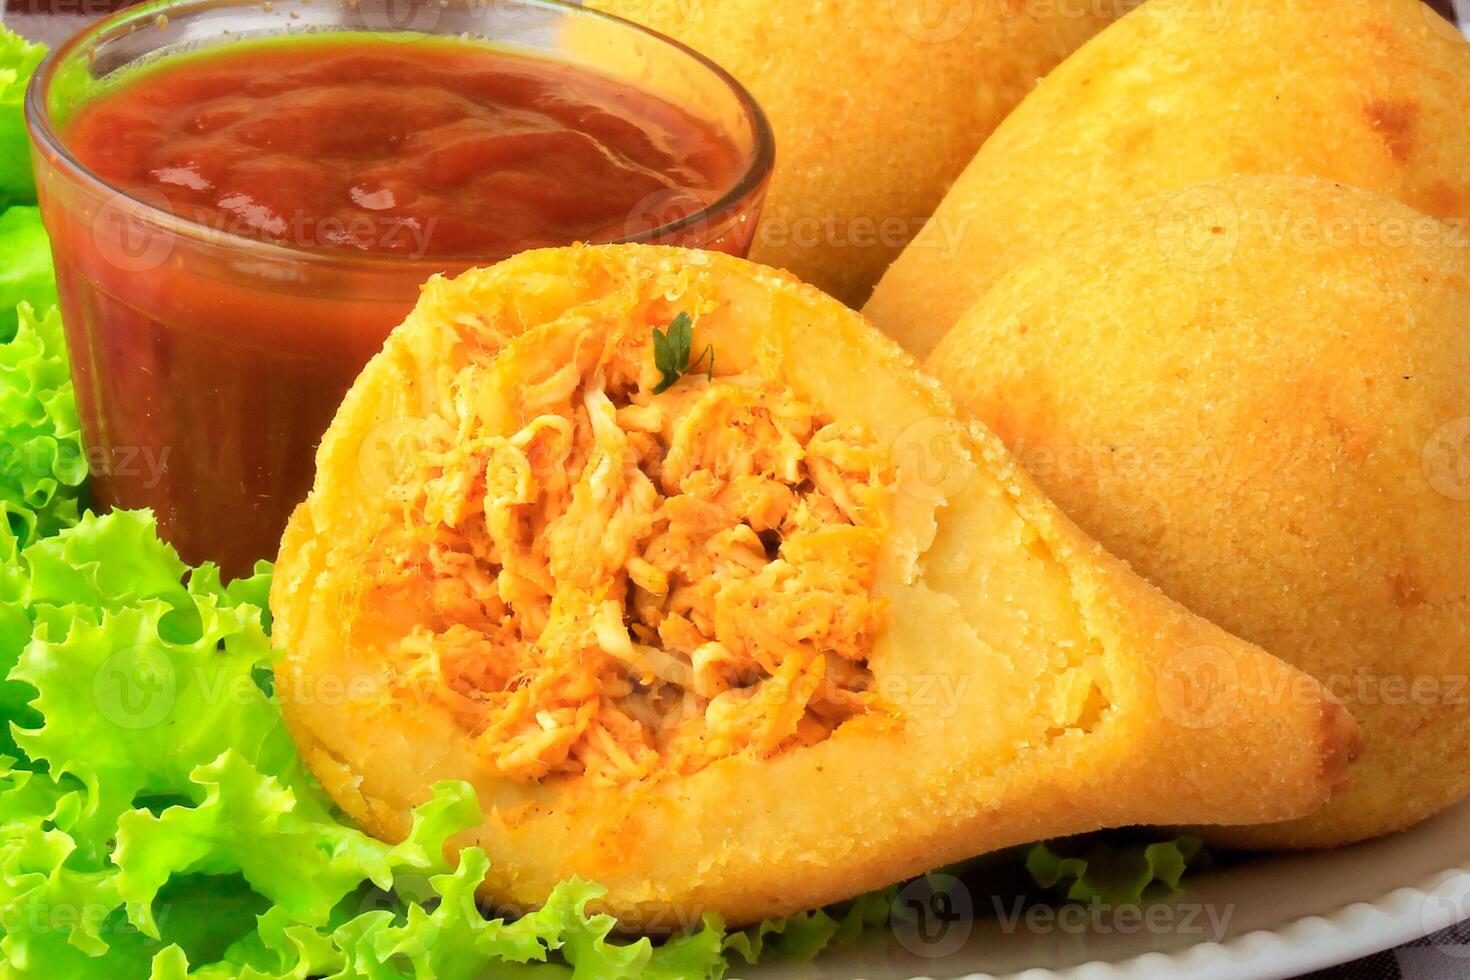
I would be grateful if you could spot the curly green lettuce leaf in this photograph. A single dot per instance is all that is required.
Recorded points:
(802, 936)
(1097, 871)
(15, 633)
(18, 59)
(249, 824)
(42, 465)
(134, 699)
(26, 275)
(561, 939)
(87, 607)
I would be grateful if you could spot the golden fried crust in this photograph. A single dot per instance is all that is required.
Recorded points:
(1036, 686)
(1264, 409)
(876, 106)
(1371, 93)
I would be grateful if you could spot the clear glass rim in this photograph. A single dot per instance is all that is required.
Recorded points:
(757, 170)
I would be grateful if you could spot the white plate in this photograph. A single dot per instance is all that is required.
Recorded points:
(1267, 918)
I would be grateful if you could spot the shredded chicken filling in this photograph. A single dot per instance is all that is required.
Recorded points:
(628, 584)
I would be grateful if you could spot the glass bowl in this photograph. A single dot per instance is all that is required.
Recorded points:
(207, 366)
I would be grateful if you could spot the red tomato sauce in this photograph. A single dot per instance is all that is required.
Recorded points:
(426, 148)
(207, 369)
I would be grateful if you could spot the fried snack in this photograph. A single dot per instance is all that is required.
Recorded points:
(1264, 406)
(779, 633)
(876, 107)
(1370, 93)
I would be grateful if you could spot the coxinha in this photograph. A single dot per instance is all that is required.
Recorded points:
(717, 601)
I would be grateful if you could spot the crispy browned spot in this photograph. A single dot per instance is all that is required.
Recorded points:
(1393, 121)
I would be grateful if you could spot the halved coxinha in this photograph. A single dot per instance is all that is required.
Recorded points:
(716, 601)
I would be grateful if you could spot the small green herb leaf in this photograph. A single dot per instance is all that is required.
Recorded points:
(671, 349)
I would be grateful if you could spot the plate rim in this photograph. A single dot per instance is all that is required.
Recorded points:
(1302, 945)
